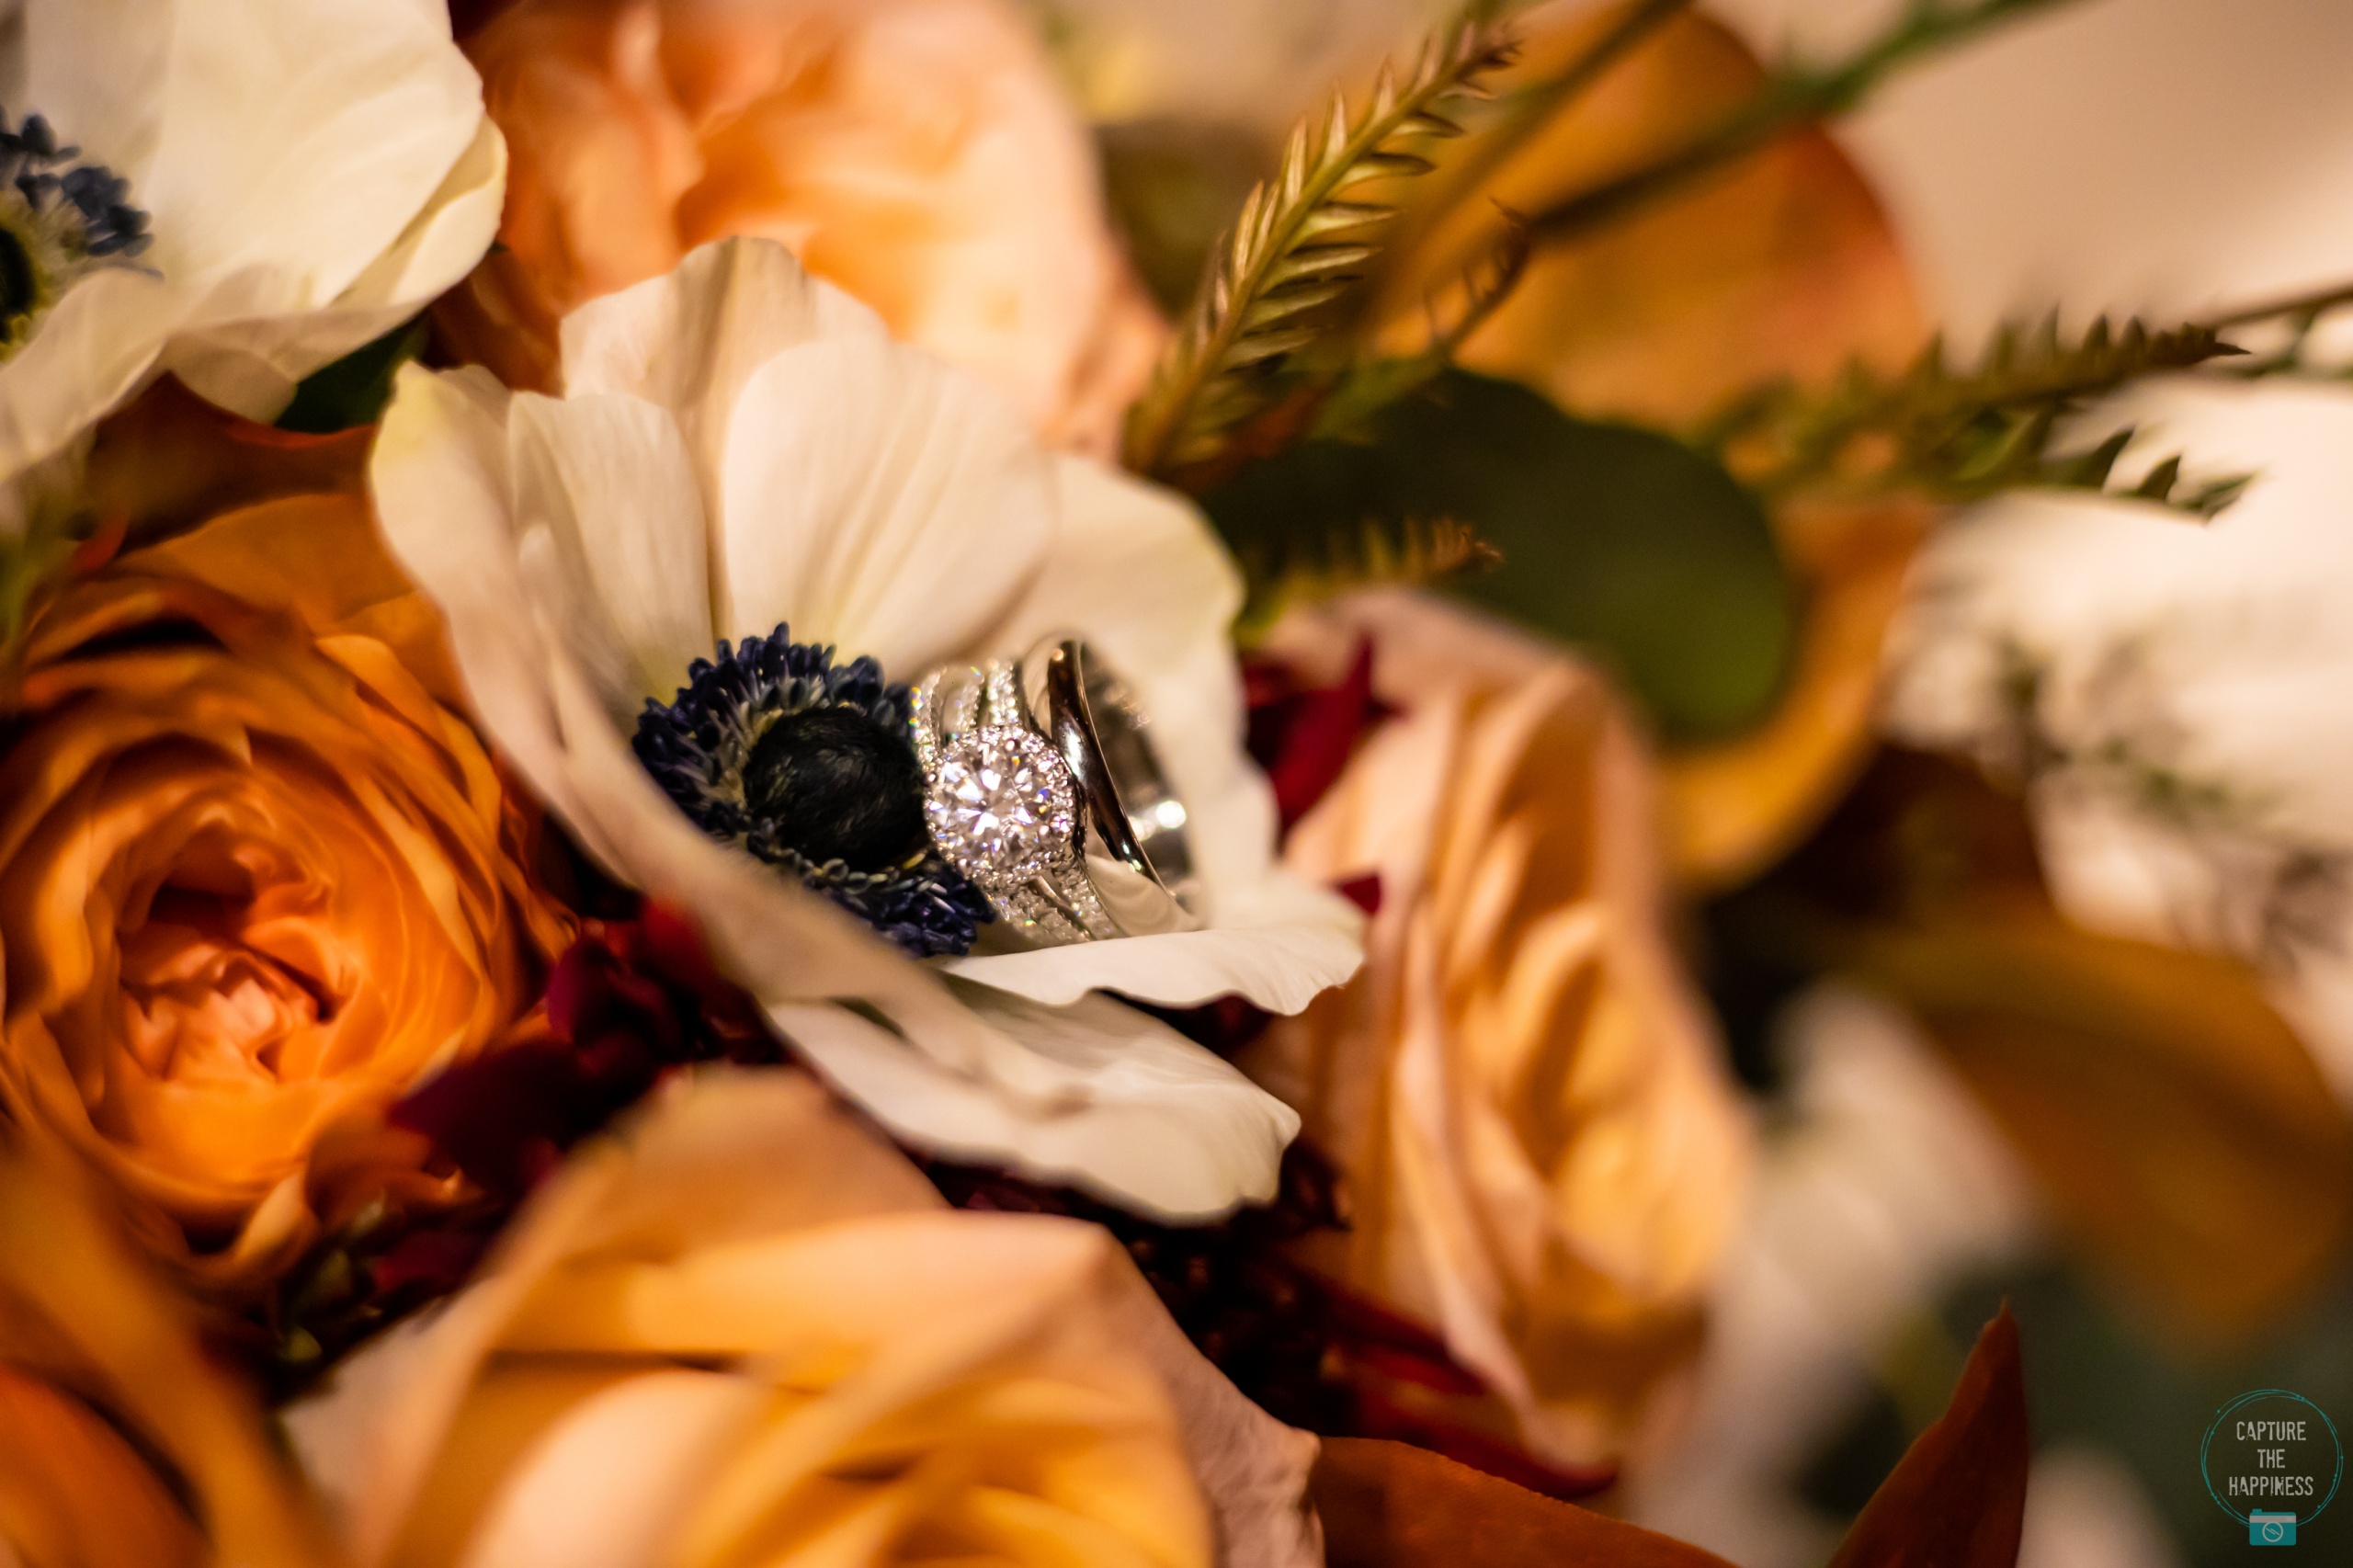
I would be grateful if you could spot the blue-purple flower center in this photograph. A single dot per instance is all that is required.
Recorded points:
(810, 767)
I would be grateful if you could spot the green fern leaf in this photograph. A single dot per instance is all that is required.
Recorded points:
(1962, 435)
(1294, 249)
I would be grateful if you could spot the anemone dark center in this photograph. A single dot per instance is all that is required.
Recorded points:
(837, 786)
(19, 288)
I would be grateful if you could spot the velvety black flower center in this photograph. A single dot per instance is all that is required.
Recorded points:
(838, 786)
(19, 285)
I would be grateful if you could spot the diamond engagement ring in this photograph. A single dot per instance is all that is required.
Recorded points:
(1041, 787)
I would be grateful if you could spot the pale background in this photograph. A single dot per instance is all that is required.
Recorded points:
(2167, 156)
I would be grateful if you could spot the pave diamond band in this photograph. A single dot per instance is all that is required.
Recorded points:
(1041, 789)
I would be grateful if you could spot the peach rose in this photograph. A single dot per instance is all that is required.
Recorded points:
(120, 1445)
(917, 153)
(746, 1330)
(1542, 1155)
(257, 878)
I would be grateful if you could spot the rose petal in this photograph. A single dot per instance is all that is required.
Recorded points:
(740, 1219)
(1388, 1505)
(608, 1484)
(1958, 1496)
(1780, 265)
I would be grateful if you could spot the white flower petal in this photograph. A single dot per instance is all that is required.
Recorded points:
(253, 364)
(439, 472)
(690, 339)
(610, 478)
(1120, 1103)
(1098, 1094)
(442, 243)
(877, 500)
(440, 479)
(1284, 946)
(289, 153)
(92, 351)
(298, 136)
(1138, 570)
(109, 101)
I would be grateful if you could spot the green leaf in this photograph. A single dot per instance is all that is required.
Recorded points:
(354, 390)
(1621, 540)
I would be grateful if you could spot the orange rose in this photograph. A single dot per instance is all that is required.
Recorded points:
(1543, 1156)
(255, 878)
(917, 153)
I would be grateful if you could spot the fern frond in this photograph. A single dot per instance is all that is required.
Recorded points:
(1293, 566)
(1296, 248)
(2162, 486)
(1962, 435)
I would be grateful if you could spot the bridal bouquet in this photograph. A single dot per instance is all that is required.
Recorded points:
(757, 810)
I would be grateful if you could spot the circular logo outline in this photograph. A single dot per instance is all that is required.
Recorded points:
(2224, 1415)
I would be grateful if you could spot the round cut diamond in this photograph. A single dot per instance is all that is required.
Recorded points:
(1001, 806)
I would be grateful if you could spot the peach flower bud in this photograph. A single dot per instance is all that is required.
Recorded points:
(746, 1331)
(917, 153)
(1542, 1155)
(256, 880)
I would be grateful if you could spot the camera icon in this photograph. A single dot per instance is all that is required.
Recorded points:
(2271, 1530)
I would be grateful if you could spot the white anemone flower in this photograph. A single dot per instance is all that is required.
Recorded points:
(236, 191)
(741, 448)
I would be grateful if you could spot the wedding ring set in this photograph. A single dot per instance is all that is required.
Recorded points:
(1041, 787)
